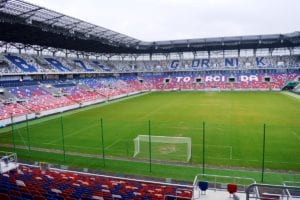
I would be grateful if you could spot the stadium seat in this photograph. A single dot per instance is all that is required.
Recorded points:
(203, 186)
(4, 196)
(58, 185)
(20, 63)
(231, 188)
(57, 64)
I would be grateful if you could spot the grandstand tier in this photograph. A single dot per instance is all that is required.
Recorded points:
(28, 64)
(42, 97)
(30, 182)
(51, 63)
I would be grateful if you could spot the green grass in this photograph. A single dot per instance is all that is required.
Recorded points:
(234, 126)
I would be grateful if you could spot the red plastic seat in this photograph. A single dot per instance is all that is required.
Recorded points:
(4, 196)
(232, 188)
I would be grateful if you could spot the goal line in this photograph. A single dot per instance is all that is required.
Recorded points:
(220, 151)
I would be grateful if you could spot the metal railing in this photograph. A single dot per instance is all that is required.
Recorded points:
(217, 182)
(7, 161)
(217, 179)
(282, 188)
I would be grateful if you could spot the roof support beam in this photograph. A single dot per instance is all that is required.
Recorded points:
(3, 3)
(86, 30)
(73, 24)
(53, 18)
(111, 36)
(30, 11)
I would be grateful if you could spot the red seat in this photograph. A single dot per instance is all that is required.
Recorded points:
(232, 188)
(4, 196)
(38, 197)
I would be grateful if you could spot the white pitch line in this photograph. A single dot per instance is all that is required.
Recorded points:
(70, 134)
(267, 161)
(296, 135)
(112, 144)
(222, 146)
(5, 133)
(80, 147)
(74, 146)
(20, 134)
(219, 158)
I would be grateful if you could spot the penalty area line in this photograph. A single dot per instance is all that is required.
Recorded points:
(112, 144)
(296, 135)
(226, 147)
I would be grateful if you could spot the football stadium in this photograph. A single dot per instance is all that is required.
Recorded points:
(90, 113)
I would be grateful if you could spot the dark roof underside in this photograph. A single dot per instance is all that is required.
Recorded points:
(26, 23)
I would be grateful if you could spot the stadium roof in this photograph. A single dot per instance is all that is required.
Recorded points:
(26, 23)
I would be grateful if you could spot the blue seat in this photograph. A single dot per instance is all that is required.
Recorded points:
(15, 198)
(57, 64)
(170, 198)
(203, 186)
(21, 63)
(27, 196)
(85, 67)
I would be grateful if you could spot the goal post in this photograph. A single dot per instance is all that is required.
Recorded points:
(163, 147)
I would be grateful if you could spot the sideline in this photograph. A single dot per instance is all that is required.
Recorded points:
(291, 95)
(140, 160)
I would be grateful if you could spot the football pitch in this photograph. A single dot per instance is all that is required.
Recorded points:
(233, 129)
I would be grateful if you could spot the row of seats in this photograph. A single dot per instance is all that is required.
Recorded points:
(12, 109)
(221, 81)
(31, 183)
(38, 98)
(80, 95)
(27, 91)
(46, 102)
(18, 63)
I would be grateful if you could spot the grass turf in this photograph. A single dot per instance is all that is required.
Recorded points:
(234, 125)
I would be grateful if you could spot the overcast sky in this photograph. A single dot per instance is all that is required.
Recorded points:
(152, 20)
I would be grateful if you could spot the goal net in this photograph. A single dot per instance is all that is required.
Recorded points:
(163, 147)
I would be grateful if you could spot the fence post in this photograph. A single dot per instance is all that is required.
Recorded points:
(63, 137)
(150, 158)
(12, 132)
(203, 146)
(28, 137)
(102, 142)
(263, 154)
(127, 148)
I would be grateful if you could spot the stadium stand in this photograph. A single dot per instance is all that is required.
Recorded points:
(37, 99)
(50, 64)
(46, 95)
(57, 64)
(20, 63)
(102, 67)
(85, 67)
(29, 182)
(23, 182)
(12, 109)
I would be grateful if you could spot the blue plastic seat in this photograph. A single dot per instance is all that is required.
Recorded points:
(203, 186)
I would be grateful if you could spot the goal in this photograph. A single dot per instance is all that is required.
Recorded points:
(163, 147)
